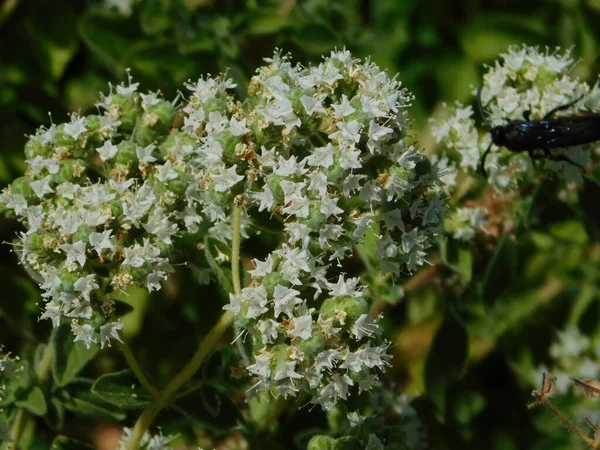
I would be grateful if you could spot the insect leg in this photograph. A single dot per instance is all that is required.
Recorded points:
(527, 115)
(483, 157)
(561, 108)
(481, 106)
(564, 158)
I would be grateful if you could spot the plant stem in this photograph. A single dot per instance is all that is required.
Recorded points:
(235, 250)
(136, 368)
(45, 366)
(42, 371)
(166, 395)
(566, 422)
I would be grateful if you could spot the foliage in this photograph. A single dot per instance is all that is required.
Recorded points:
(507, 292)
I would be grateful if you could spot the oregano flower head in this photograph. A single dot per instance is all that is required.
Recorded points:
(317, 155)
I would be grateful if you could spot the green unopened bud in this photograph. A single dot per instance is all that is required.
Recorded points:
(215, 105)
(35, 241)
(273, 181)
(314, 345)
(228, 141)
(95, 133)
(345, 310)
(125, 111)
(271, 280)
(126, 154)
(68, 279)
(221, 198)
(22, 186)
(316, 219)
(174, 140)
(154, 124)
(82, 233)
(34, 147)
(335, 172)
(321, 442)
(62, 139)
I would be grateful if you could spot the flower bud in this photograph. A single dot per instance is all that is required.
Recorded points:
(314, 344)
(126, 154)
(271, 280)
(321, 442)
(22, 186)
(344, 310)
(34, 147)
(126, 112)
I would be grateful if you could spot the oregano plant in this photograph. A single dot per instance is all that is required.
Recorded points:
(298, 215)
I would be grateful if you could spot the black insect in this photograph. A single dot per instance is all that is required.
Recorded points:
(530, 135)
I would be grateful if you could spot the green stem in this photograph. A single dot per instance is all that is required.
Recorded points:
(167, 394)
(136, 368)
(235, 250)
(42, 371)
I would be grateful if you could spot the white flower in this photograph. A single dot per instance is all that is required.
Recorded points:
(144, 154)
(102, 241)
(261, 366)
(302, 327)
(75, 252)
(226, 179)
(41, 187)
(85, 285)
(110, 331)
(107, 151)
(84, 333)
(285, 300)
(76, 127)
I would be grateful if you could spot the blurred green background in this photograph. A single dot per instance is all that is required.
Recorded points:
(56, 56)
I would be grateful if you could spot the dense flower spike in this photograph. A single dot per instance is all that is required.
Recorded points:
(320, 152)
(100, 203)
(322, 149)
(525, 80)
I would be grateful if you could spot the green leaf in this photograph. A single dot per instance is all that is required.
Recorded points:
(122, 389)
(487, 36)
(447, 357)
(458, 256)
(588, 199)
(154, 17)
(69, 357)
(55, 417)
(268, 22)
(65, 443)
(160, 62)
(88, 404)
(500, 270)
(218, 255)
(211, 408)
(109, 37)
(34, 402)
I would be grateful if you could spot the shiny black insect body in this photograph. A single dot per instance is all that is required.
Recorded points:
(531, 135)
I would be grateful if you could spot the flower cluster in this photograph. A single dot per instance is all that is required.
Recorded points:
(323, 150)
(101, 200)
(526, 83)
(320, 152)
